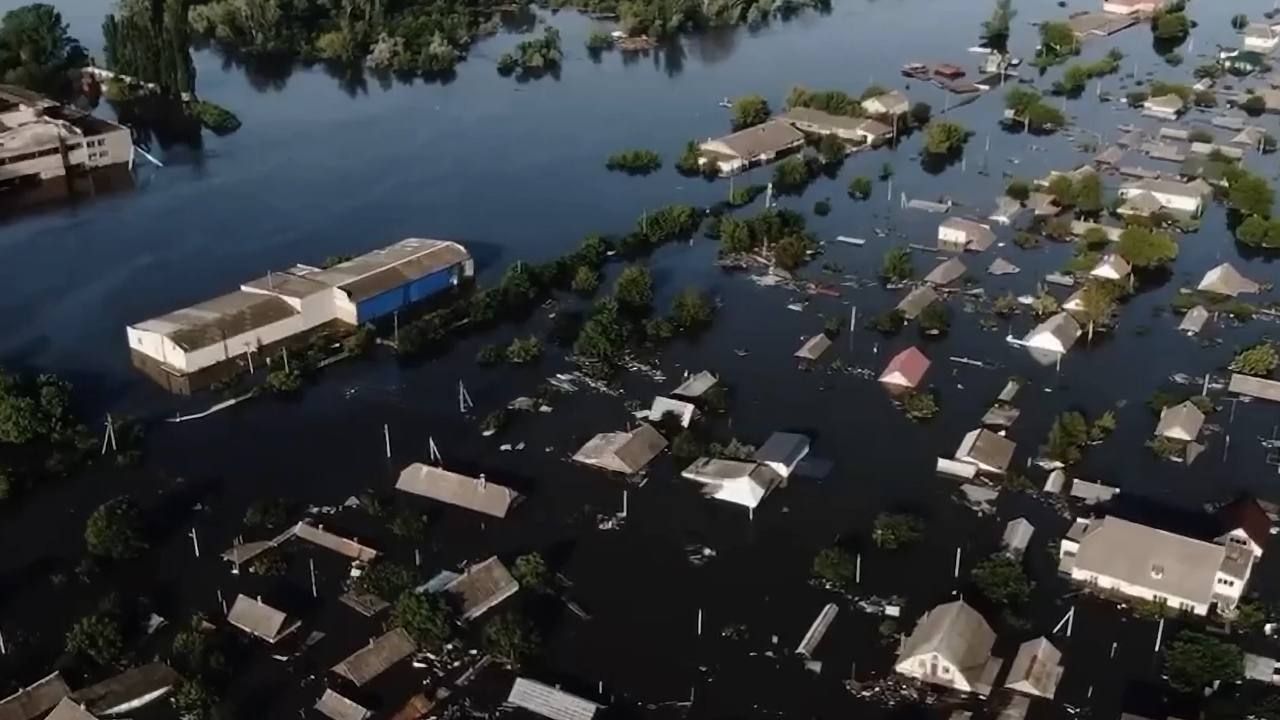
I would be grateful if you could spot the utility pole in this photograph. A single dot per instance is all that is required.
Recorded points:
(195, 542)
(433, 453)
(386, 438)
(284, 351)
(109, 438)
(312, 562)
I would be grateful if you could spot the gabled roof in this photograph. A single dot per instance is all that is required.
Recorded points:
(69, 710)
(1194, 320)
(986, 448)
(316, 535)
(814, 347)
(735, 481)
(549, 702)
(1168, 103)
(482, 586)
(1141, 203)
(339, 707)
(696, 385)
(259, 619)
(946, 273)
(1112, 267)
(1246, 514)
(476, 494)
(956, 632)
(977, 235)
(906, 369)
(766, 138)
(1036, 669)
(371, 661)
(1000, 266)
(890, 101)
(1017, 534)
(1180, 422)
(819, 118)
(624, 452)
(916, 301)
(35, 699)
(1057, 333)
(663, 407)
(1169, 564)
(1226, 280)
(128, 690)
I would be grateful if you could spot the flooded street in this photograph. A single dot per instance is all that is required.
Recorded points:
(515, 171)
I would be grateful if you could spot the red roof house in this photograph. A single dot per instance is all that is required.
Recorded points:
(906, 369)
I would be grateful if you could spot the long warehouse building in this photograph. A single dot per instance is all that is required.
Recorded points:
(190, 348)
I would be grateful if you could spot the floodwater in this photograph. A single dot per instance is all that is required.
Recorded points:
(326, 166)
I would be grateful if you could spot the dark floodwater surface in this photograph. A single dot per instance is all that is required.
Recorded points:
(515, 170)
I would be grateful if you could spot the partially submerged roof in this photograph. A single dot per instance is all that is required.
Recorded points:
(735, 481)
(663, 407)
(371, 661)
(987, 449)
(946, 273)
(317, 535)
(978, 236)
(1036, 669)
(35, 699)
(1112, 267)
(766, 138)
(1166, 103)
(130, 689)
(379, 271)
(1057, 334)
(624, 452)
(1172, 565)
(1226, 280)
(259, 619)
(481, 587)
(955, 631)
(1000, 416)
(906, 369)
(1180, 422)
(475, 494)
(1194, 320)
(814, 347)
(820, 119)
(783, 448)
(916, 301)
(215, 320)
(339, 707)
(696, 385)
(549, 702)
(1017, 534)
(1254, 387)
(68, 710)
(1091, 493)
(1000, 266)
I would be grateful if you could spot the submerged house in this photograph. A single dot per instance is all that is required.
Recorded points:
(129, 690)
(860, 130)
(260, 619)
(480, 587)
(916, 301)
(736, 481)
(476, 494)
(1261, 37)
(1006, 211)
(1226, 280)
(377, 657)
(986, 450)
(755, 145)
(957, 234)
(950, 646)
(1017, 534)
(1194, 320)
(696, 385)
(946, 273)
(906, 369)
(622, 452)
(67, 709)
(549, 702)
(1056, 334)
(1111, 267)
(1036, 669)
(782, 452)
(1155, 565)
(36, 699)
(1186, 198)
(892, 103)
(1164, 107)
(336, 706)
(1180, 422)
(814, 348)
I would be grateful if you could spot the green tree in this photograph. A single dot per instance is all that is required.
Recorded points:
(834, 566)
(943, 137)
(995, 30)
(892, 531)
(36, 49)
(603, 338)
(794, 174)
(896, 266)
(1254, 105)
(1018, 190)
(1067, 436)
(98, 638)
(1250, 194)
(1239, 22)
(1001, 580)
(1194, 661)
(1258, 360)
(1087, 198)
(192, 700)
(920, 405)
(1021, 99)
(691, 311)
(920, 114)
(634, 162)
(586, 280)
(791, 252)
(1253, 231)
(196, 650)
(387, 579)
(860, 188)
(689, 161)
(425, 617)
(634, 288)
(113, 530)
(832, 150)
(151, 40)
(750, 110)
(1145, 248)
(530, 570)
(934, 319)
(1057, 39)
(509, 638)
(524, 350)
(1170, 25)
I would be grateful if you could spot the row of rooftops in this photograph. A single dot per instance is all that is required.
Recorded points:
(778, 134)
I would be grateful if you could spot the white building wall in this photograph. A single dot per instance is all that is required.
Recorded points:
(110, 148)
(1138, 591)
(954, 236)
(919, 667)
(157, 346)
(344, 308)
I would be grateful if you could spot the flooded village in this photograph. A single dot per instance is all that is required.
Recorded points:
(947, 389)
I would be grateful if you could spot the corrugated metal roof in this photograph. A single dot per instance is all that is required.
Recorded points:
(330, 541)
(481, 587)
(127, 688)
(226, 316)
(257, 618)
(381, 270)
(369, 662)
(550, 702)
(624, 452)
(455, 489)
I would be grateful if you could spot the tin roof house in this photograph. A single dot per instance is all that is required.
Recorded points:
(377, 657)
(36, 699)
(129, 690)
(549, 702)
(950, 646)
(481, 587)
(736, 481)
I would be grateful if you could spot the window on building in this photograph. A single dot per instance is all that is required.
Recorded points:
(104, 153)
(1186, 606)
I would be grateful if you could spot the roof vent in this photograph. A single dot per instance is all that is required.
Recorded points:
(1157, 571)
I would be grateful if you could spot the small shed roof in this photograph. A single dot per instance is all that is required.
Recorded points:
(987, 449)
(259, 619)
(1000, 266)
(906, 369)
(1194, 320)
(550, 702)
(1000, 416)
(1226, 280)
(476, 494)
(624, 452)
(946, 273)
(339, 707)
(916, 301)
(814, 347)
(481, 587)
(1017, 534)
(1180, 422)
(1036, 668)
(35, 699)
(696, 385)
(371, 661)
